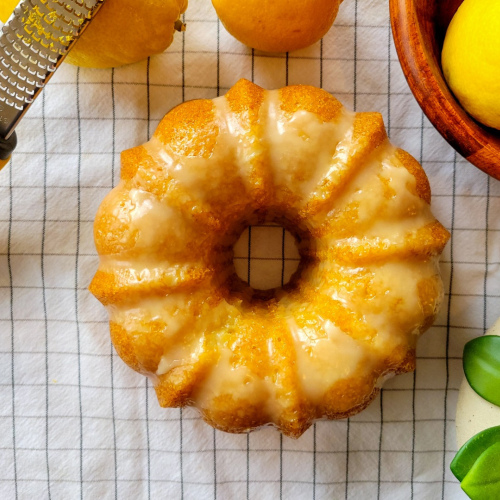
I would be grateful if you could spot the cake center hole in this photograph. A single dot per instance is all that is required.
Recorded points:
(266, 256)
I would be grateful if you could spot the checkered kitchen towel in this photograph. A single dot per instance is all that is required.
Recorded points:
(76, 423)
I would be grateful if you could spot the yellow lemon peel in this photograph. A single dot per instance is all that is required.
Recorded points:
(471, 59)
(127, 31)
(277, 25)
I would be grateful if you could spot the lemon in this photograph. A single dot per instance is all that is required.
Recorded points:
(277, 25)
(471, 59)
(127, 31)
(7, 8)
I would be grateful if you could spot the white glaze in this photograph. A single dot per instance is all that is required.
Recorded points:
(324, 358)
(303, 149)
(304, 154)
(291, 143)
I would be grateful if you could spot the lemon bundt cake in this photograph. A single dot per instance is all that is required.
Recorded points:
(367, 286)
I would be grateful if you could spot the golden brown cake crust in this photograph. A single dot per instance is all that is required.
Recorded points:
(367, 285)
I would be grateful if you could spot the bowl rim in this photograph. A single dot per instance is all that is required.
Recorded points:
(475, 142)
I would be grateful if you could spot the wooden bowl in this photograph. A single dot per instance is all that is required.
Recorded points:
(419, 28)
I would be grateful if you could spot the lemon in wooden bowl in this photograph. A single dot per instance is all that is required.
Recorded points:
(419, 28)
(471, 59)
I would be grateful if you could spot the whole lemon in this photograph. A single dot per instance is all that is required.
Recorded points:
(127, 31)
(471, 59)
(277, 25)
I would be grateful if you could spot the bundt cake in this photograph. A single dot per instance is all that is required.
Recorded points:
(368, 282)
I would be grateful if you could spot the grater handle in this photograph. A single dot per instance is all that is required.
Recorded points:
(7, 146)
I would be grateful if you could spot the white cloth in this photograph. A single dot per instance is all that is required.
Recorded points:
(75, 422)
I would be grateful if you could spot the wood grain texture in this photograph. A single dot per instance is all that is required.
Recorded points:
(419, 28)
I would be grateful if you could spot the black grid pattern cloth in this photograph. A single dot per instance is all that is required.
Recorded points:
(75, 422)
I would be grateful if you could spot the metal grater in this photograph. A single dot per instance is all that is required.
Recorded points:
(33, 44)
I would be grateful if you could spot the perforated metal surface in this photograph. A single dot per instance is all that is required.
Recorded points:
(32, 44)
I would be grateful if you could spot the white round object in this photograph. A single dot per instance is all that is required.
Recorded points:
(474, 414)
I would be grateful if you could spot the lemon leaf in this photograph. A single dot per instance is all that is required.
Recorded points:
(483, 480)
(472, 450)
(482, 367)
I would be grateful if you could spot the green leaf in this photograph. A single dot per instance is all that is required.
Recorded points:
(482, 367)
(472, 450)
(483, 480)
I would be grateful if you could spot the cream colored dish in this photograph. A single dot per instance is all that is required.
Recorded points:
(475, 414)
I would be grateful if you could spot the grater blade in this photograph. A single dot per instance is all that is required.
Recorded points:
(33, 44)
